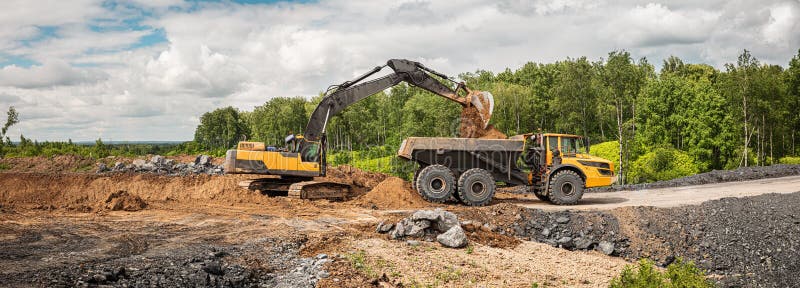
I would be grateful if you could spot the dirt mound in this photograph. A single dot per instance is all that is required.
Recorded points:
(361, 180)
(122, 200)
(392, 193)
(472, 126)
(60, 163)
(86, 192)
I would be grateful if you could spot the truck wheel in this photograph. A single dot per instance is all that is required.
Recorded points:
(541, 196)
(436, 183)
(414, 180)
(476, 187)
(566, 188)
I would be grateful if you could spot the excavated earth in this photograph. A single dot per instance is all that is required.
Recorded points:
(62, 228)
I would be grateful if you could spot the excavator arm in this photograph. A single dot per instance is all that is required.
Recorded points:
(338, 97)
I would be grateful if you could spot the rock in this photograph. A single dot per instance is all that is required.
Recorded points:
(442, 220)
(213, 268)
(101, 168)
(384, 227)
(119, 166)
(606, 247)
(399, 231)
(546, 232)
(98, 278)
(138, 163)
(202, 160)
(453, 238)
(157, 159)
(562, 220)
(565, 242)
(322, 256)
(148, 166)
(412, 242)
(169, 162)
(582, 243)
(418, 228)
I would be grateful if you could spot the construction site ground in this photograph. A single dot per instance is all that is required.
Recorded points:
(63, 225)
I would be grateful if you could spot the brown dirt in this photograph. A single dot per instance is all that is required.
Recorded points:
(390, 263)
(472, 126)
(60, 163)
(362, 181)
(392, 193)
(122, 200)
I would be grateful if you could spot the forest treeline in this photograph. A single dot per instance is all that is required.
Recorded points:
(650, 122)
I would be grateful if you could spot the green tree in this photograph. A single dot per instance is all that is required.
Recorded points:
(277, 118)
(738, 87)
(13, 118)
(221, 128)
(792, 82)
(622, 80)
(574, 97)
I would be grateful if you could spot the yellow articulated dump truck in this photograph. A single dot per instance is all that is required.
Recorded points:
(554, 167)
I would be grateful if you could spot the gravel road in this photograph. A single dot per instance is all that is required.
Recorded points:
(672, 196)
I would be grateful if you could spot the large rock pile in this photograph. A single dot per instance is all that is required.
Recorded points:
(160, 165)
(428, 224)
(572, 231)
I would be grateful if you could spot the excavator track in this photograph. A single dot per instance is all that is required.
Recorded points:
(319, 190)
(299, 188)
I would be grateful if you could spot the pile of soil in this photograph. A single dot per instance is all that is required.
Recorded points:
(122, 200)
(392, 193)
(86, 192)
(361, 181)
(55, 164)
(472, 126)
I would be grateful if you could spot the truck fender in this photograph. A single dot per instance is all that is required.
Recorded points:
(557, 168)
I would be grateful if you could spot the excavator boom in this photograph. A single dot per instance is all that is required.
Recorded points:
(340, 96)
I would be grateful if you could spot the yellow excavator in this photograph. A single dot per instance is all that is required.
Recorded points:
(303, 157)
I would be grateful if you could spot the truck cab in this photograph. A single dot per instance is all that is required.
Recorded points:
(572, 151)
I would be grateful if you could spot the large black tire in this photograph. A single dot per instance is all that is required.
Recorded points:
(476, 187)
(436, 183)
(541, 196)
(566, 188)
(414, 180)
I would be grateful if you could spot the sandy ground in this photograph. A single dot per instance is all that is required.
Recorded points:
(667, 197)
(59, 228)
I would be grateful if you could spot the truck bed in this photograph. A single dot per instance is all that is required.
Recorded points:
(457, 144)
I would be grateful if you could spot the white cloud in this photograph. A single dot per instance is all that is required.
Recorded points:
(784, 24)
(220, 53)
(56, 73)
(657, 25)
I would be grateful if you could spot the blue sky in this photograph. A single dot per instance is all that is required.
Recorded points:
(146, 69)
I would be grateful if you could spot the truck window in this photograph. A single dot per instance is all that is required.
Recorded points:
(569, 145)
(553, 143)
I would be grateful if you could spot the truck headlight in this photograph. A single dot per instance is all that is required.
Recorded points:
(595, 164)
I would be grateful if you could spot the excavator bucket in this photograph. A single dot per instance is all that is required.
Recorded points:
(484, 102)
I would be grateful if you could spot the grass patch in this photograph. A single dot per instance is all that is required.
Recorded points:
(4, 166)
(359, 261)
(677, 274)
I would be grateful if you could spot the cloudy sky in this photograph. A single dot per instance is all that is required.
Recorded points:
(146, 69)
